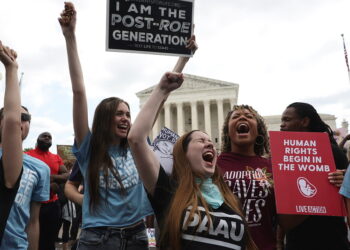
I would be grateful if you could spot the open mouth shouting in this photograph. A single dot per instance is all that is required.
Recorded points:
(242, 128)
(209, 157)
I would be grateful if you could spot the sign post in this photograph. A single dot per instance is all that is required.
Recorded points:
(301, 163)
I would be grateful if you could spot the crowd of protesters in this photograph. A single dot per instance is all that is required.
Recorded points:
(117, 180)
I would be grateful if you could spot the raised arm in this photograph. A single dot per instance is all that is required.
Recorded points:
(80, 113)
(11, 134)
(146, 162)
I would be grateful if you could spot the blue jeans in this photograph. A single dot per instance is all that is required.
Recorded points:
(108, 238)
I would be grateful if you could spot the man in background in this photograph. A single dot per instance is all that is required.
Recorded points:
(50, 212)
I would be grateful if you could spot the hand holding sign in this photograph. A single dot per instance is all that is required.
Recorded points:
(68, 18)
(181, 62)
(191, 44)
(337, 177)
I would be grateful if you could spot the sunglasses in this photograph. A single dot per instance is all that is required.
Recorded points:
(25, 117)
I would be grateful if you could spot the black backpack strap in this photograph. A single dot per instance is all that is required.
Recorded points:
(7, 197)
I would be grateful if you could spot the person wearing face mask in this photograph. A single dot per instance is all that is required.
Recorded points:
(50, 212)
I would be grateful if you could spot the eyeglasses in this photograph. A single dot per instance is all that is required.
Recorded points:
(25, 117)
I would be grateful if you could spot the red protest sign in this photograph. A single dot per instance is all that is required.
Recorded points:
(301, 162)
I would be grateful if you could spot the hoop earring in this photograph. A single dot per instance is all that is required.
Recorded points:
(259, 140)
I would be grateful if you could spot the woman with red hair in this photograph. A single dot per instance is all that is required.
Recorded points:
(194, 207)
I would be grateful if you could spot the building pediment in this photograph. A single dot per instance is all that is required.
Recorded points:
(194, 83)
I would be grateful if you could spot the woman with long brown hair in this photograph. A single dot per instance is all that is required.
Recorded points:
(115, 202)
(194, 207)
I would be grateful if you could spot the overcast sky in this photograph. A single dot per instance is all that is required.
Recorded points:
(278, 51)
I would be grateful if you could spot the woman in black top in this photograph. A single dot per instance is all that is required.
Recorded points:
(194, 207)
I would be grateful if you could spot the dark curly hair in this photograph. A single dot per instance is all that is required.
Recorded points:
(261, 148)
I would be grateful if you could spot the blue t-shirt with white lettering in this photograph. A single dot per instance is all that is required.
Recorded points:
(34, 186)
(116, 209)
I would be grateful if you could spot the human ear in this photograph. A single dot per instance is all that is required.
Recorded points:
(305, 122)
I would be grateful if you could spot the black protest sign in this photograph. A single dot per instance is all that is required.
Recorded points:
(149, 26)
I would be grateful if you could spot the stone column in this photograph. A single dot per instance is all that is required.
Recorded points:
(207, 119)
(220, 107)
(232, 103)
(180, 118)
(167, 120)
(194, 115)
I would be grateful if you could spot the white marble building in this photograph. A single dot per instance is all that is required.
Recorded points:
(201, 103)
(273, 121)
